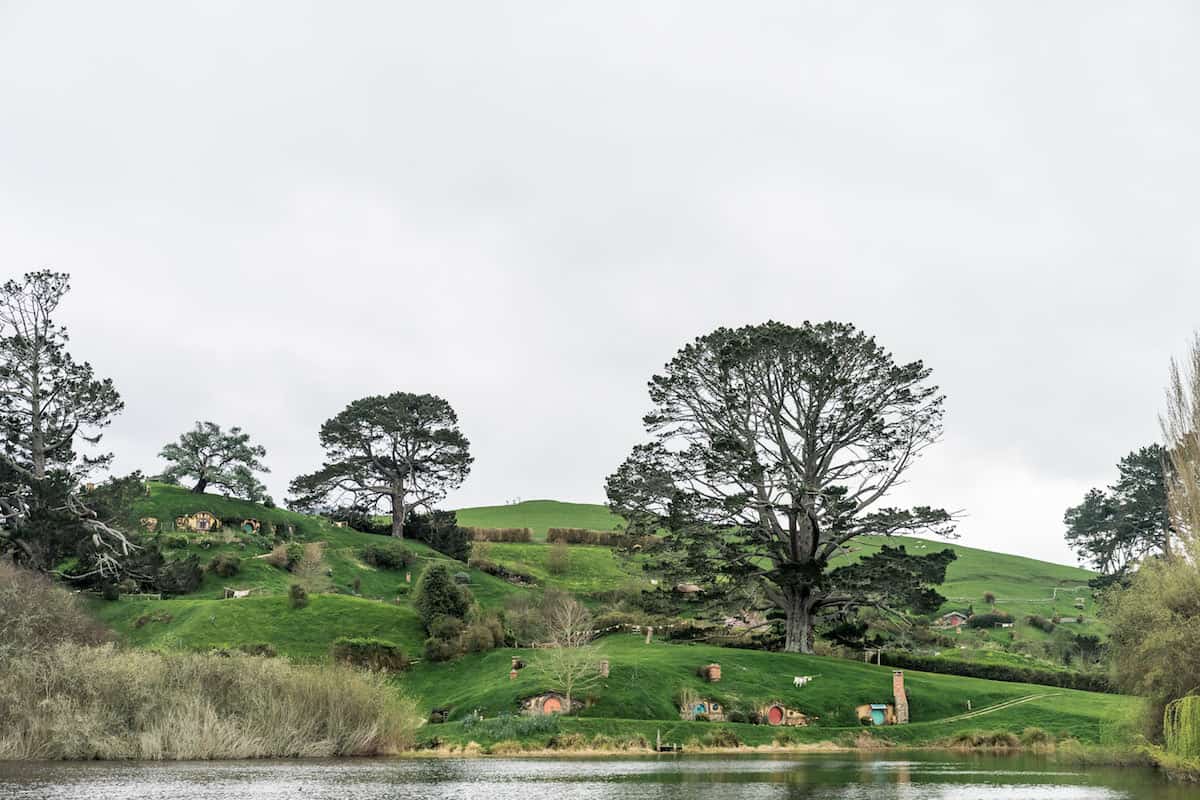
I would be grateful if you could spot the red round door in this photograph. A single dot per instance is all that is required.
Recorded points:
(775, 715)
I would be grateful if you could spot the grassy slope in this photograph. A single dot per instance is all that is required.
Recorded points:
(1022, 586)
(538, 515)
(645, 681)
(203, 620)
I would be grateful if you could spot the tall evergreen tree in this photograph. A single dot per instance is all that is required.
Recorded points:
(49, 403)
(225, 459)
(1115, 528)
(396, 452)
(773, 447)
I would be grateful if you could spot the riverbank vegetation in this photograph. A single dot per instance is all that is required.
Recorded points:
(67, 693)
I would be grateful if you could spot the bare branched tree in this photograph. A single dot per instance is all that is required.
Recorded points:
(49, 402)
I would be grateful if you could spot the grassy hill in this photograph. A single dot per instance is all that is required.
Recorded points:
(1022, 586)
(353, 598)
(645, 682)
(538, 515)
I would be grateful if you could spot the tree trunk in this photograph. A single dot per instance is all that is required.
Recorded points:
(798, 608)
(399, 513)
(200, 486)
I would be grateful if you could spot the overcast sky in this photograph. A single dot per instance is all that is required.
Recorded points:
(271, 209)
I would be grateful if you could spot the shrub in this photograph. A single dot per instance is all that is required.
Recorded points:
(36, 614)
(297, 596)
(158, 616)
(260, 649)
(504, 573)
(1034, 736)
(520, 535)
(559, 559)
(595, 537)
(366, 653)
(482, 634)
(389, 555)
(1040, 622)
(174, 542)
(721, 737)
(438, 595)
(440, 531)
(278, 557)
(445, 640)
(225, 564)
(985, 739)
(356, 584)
(137, 704)
(989, 620)
(180, 577)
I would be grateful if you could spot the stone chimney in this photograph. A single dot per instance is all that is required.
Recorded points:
(901, 699)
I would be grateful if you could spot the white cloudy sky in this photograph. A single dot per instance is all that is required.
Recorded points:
(271, 209)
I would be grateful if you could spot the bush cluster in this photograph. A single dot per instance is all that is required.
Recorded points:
(603, 538)
(519, 535)
(225, 564)
(286, 556)
(180, 577)
(502, 572)
(989, 619)
(440, 530)
(559, 559)
(297, 596)
(37, 615)
(387, 555)
(368, 653)
(1041, 623)
(451, 637)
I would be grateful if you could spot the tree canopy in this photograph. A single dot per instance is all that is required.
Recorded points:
(49, 403)
(397, 452)
(1115, 528)
(772, 446)
(225, 459)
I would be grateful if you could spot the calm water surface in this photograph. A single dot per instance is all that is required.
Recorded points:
(852, 776)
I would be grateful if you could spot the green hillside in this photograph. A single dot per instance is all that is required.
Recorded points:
(349, 597)
(645, 682)
(538, 515)
(1022, 586)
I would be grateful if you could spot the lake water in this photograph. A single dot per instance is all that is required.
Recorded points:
(825, 776)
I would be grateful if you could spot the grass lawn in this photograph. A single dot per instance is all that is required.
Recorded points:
(590, 568)
(538, 515)
(645, 681)
(303, 634)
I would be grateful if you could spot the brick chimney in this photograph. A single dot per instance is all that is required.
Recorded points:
(901, 699)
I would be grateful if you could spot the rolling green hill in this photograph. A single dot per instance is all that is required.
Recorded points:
(352, 598)
(645, 682)
(538, 515)
(1022, 586)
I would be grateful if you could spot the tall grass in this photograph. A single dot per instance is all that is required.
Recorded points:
(81, 702)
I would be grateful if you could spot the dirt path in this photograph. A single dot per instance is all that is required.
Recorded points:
(999, 706)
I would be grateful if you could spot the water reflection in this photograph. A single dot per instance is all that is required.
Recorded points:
(825, 776)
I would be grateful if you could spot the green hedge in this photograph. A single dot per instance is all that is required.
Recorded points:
(1065, 679)
(387, 555)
